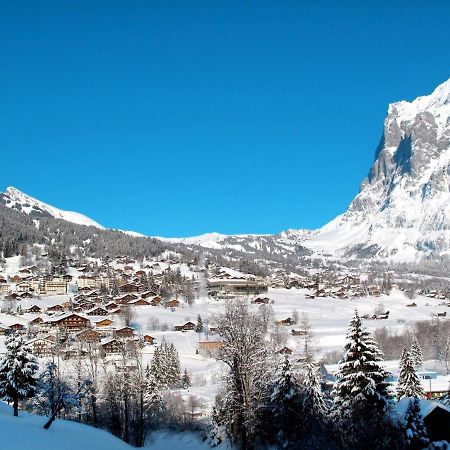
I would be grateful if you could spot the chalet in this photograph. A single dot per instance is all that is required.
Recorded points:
(210, 346)
(111, 305)
(112, 346)
(287, 321)
(261, 300)
(55, 308)
(173, 304)
(26, 295)
(130, 287)
(15, 279)
(36, 321)
(149, 339)
(188, 326)
(139, 302)
(148, 294)
(298, 333)
(72, 322)
(126, 298)
(17, 327)
(97, 311)
(350, 280)
(41, 346)
(3, 330)
(104, 323)
(88, 335)
(125, 332)
(24, 286)
(156, 300)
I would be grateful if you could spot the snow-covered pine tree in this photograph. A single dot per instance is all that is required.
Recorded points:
(408, 384)
(416, 432)
(185, 379)
(157, 369)
(173, 366)
(361, 378)
(416, 353)
(285, 405)
(313, 398)
(17, 372)
(362, 405)
(153, 402)
(199, 326)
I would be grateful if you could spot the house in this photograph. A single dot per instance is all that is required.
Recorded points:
(126, 298)
(149, 339)
(287, 321)
(111, 305)
(88, 335)
(97, 311)
(3, 330)
(26, 295)
(188, 326)
(298, 333)
(112, 346)
(57, 286)
(5, 288)
(210, 346)
(104, 323)
(17, 327)
(125, 332)
(173, 304)
(55, 308)
(72, 322)
(261, 300)
(36, 321)
(156, 300)
(41, 346)
(24, 286)
(139, 302)
(436, 416)
(130, 287)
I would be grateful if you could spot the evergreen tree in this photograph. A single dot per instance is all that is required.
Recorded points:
(361, 379)
(361, 396)
(17, 372)
(313, 398)
(153, 401)
(285, 405)
(199, 327)
(185, 379)
(157, 369)
(416, 353)
(416, 432)
(408, 384)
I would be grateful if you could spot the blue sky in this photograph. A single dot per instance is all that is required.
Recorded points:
(179, 118)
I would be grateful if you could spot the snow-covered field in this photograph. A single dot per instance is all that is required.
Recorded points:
(328, 316)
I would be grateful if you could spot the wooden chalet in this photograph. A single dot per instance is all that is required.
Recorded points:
(210, 346)
(125, 332)
(149, 339)
(35, 309)
(188, 326)
(139, 302)
(112, 346)
(88, 335)
(173, 304)
(104, 323)
(111, 305)
(97, 311)
(41, 346)
(126, 298)
(287, 321)
(260, 301)
(55, 308)
(72, 322)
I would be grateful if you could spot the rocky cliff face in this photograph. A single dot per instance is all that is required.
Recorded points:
(403, 208)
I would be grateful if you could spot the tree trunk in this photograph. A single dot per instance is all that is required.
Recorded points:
(16, 407)
(50, 421)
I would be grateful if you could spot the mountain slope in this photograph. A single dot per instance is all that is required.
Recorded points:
(15, 199)
(403, 208)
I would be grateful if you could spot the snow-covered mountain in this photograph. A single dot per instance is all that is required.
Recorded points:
(402, 211)
(15, 199)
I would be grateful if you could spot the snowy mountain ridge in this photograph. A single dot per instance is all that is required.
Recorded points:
(15, 199)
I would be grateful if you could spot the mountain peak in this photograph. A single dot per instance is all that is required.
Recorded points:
(16, 199)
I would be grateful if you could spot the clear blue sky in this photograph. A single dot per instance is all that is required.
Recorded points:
(179, 118)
